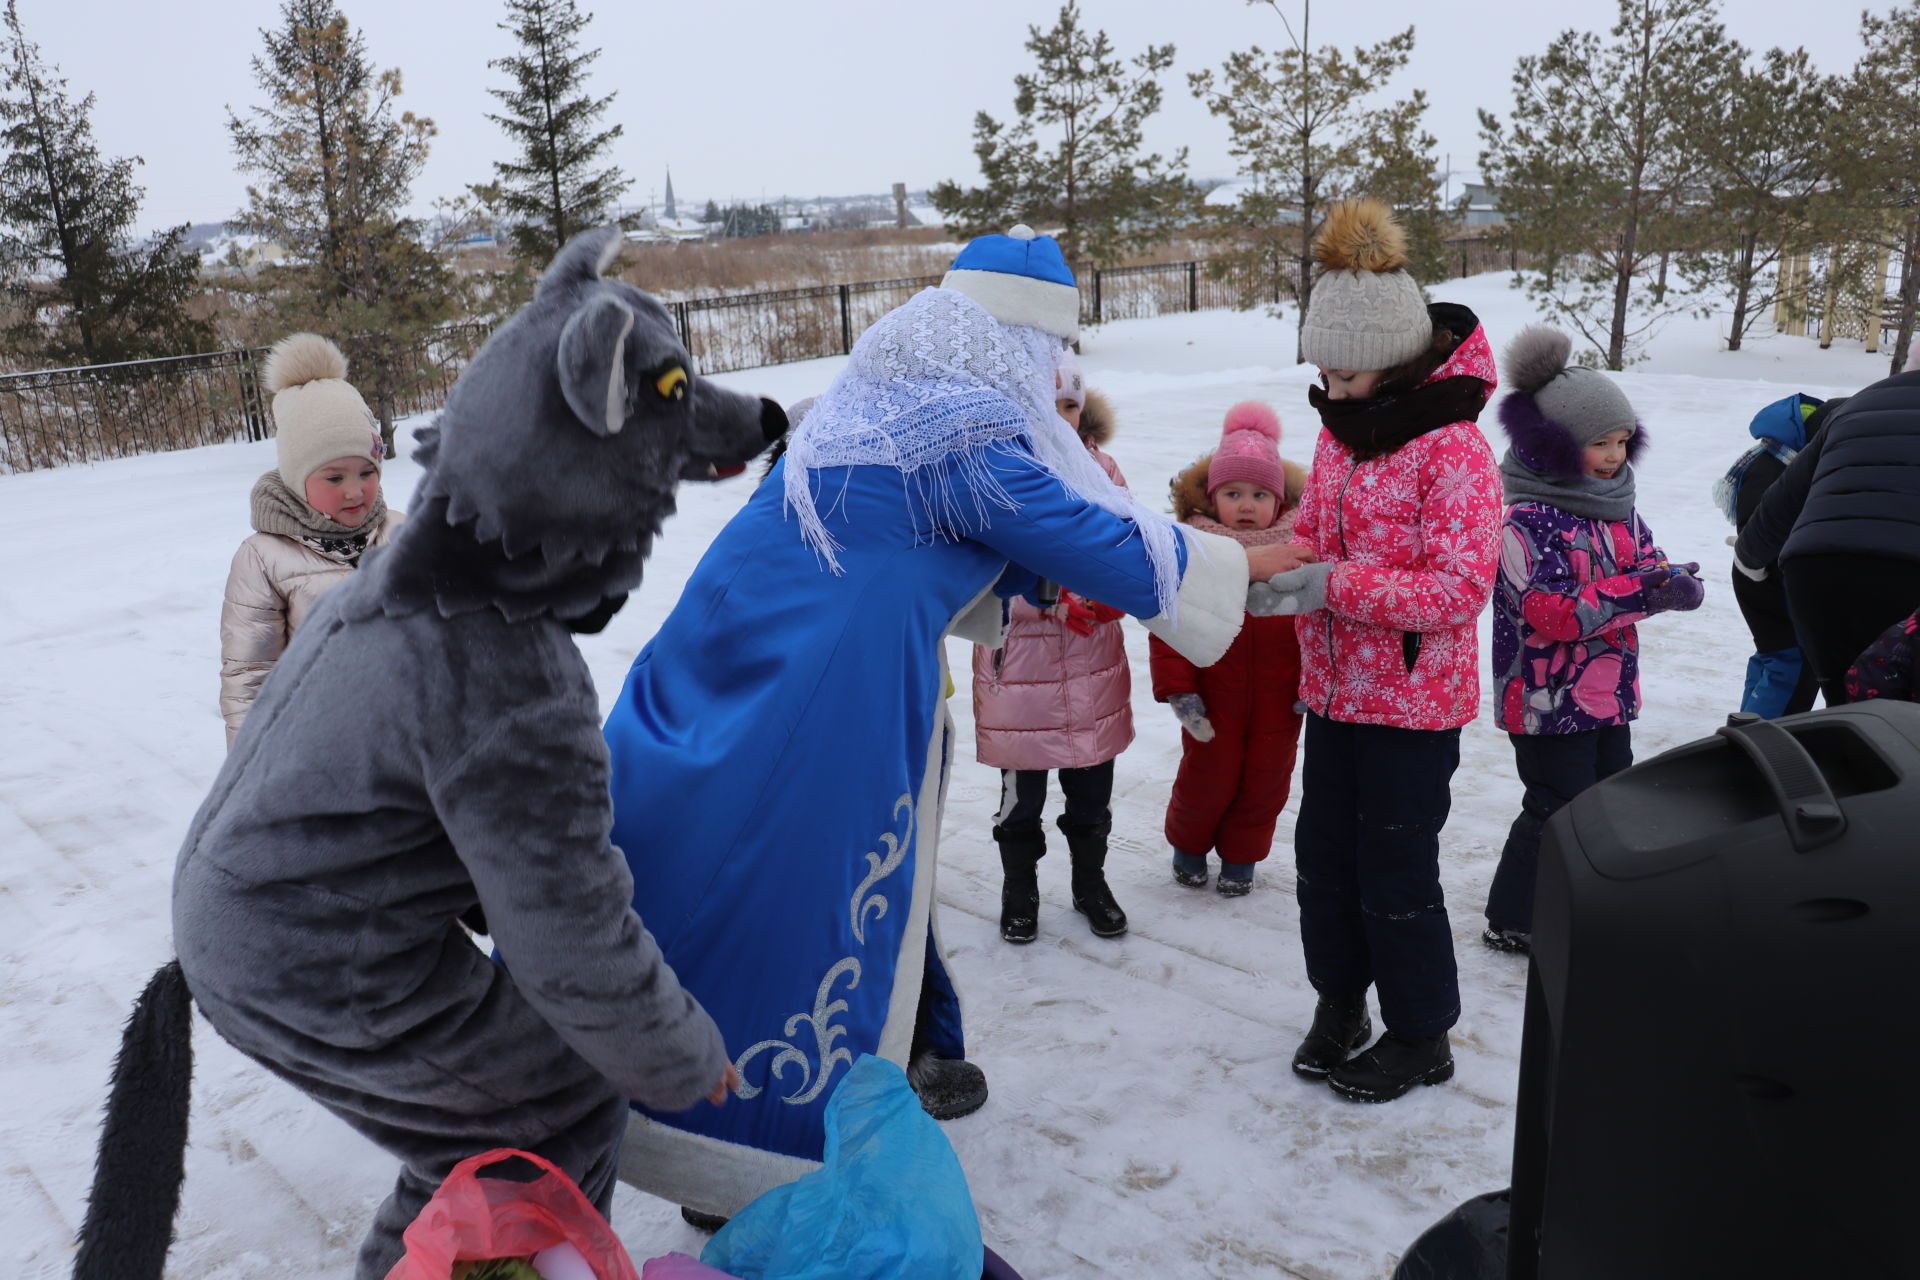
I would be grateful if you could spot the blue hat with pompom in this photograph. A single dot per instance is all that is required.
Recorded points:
(1020, 278)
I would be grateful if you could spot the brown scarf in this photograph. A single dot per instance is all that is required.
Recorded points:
(1375, 428)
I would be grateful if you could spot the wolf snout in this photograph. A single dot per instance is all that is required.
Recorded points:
(773, 420)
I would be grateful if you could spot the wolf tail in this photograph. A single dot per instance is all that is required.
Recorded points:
(143, 1144)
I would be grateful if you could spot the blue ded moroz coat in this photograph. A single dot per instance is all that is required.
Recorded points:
(780, 754)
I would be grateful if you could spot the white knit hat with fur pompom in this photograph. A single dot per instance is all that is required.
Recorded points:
(317, 414)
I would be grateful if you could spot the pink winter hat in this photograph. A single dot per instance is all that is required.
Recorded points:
(1249, 449)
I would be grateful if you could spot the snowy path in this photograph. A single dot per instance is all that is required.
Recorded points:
(1143, 1120)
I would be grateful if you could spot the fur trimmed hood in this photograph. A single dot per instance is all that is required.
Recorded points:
(1189, 488)
(1096, 419)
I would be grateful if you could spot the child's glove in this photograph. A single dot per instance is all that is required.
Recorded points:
(1674, 588)
(1081, 615)
(1192, 714)
(1301, 590)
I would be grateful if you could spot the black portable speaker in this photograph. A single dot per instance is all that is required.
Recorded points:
(1720, 1068)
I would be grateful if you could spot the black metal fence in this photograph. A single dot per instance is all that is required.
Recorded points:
(86, 414)
(58, 416)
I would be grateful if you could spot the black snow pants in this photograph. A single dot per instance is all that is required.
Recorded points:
(1554, 768)
(1366, 849)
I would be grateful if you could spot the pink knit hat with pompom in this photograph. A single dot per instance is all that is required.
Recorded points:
(1249, 450)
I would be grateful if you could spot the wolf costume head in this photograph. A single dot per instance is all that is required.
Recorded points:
(555, 460)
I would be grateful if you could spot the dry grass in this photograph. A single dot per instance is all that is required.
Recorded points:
(755, 264)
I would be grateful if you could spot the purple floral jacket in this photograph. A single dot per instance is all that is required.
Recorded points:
(1885, 670)
(1565, 651)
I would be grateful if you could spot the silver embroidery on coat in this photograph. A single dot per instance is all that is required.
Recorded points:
(863, 906)
(879, 869)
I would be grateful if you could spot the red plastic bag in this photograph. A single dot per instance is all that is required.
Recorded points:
(472, 1217)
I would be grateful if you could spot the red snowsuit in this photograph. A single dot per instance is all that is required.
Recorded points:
(1229, 791)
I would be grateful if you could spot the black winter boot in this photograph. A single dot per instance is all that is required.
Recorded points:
(1340, 1025)
(707, 1222)
(1020, 854)
(1394, 1065)
(1091, 896)
(948, 1087)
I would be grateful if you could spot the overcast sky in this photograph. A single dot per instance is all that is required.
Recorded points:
(762, 98)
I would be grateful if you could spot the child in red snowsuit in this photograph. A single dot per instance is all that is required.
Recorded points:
(1240, 729)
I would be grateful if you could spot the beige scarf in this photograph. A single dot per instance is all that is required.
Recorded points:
(278, 509)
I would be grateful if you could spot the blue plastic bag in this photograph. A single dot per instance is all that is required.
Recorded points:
(888, 1202)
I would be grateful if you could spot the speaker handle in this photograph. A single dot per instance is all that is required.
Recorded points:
(1807, 804)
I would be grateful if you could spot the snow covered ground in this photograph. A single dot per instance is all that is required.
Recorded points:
(1143, 1120)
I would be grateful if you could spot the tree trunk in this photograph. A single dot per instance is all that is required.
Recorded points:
(1304, 288)
(1909, 296)
(1742, 287)
(1622, 292)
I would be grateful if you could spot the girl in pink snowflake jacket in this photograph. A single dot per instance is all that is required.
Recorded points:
(1403, 512)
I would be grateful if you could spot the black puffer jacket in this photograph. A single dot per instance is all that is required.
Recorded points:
(1855, 488)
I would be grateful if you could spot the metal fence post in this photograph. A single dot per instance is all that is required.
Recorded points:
(1193, 286)
(846, 322)
(1096, 295)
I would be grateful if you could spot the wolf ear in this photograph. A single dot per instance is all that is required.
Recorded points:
(592, 363)
(582, 260)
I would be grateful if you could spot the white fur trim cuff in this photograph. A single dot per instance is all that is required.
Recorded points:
(699, 1172)
(1212, 604)
(1012, 299)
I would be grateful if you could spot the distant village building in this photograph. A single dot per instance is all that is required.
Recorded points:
(1481, 206)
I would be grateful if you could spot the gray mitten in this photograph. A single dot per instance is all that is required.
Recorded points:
(1192, 714)
(1262, 600)
(1302, 590)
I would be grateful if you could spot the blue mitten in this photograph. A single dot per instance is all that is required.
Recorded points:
(1301, 590)
(1192, 714)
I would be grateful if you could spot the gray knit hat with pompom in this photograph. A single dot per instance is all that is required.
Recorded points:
(1553, 411)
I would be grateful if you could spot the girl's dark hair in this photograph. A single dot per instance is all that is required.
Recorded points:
(1451, 325)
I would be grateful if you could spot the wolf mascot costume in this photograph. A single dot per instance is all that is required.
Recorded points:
(781, 747)
(430, 743)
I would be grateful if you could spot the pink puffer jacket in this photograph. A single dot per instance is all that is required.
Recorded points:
(1415, 541)
(1050, 698)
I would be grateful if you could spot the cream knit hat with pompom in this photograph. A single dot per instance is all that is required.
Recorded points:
(1367, 312)
(317, 415)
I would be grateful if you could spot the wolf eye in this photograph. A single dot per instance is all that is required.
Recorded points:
(672, 385)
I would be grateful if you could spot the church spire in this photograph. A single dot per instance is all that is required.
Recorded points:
(669, 210)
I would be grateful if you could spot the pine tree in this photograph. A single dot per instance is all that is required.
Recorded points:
(1877, 157)
(1762, 147)
(1401, 170)
(1599, 160)
(338, 158)
(81, 286)
(1073, 158)
(1303, 133)
(556, 186)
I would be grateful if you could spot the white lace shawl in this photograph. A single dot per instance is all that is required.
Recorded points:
(929, 390)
